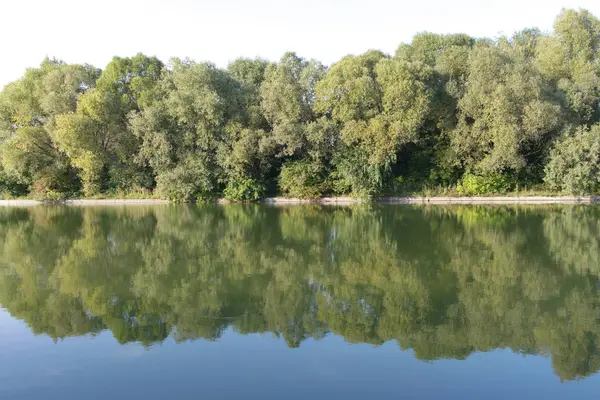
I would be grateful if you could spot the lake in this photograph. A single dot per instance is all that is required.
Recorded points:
(300, 302)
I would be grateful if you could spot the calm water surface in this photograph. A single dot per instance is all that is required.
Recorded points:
(301, 302)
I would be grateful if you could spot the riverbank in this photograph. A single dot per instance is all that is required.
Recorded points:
(446, 200)
(82, 202)
(335, 200)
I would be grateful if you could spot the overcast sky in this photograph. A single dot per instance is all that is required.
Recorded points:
(79, 31)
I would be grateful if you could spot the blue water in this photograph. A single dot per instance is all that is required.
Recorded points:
(262, 366)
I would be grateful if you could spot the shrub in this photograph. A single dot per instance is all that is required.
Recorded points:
(10, 188)
(471, 185)
(353, 173)
(302, 179)
(244, 189)
(188, 181)
(574, 164)
(52, 196)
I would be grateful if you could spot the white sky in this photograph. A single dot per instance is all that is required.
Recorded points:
(79, 31)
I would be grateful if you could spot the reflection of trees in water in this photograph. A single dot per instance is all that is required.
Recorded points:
(443, 281)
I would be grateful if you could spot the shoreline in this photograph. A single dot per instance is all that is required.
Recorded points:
(484, 200)
(440, 200)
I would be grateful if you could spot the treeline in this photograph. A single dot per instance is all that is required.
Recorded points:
(445, 112)
(444, 282)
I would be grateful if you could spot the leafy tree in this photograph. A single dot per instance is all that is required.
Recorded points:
(381, 104)
(97, 138)
(250, 74)
(431, 160)
(287, 95)
(29, 108)
(574, 164)
(506, 114)
(310, 177)
(246, 156)
(570, 59)
(446, 111)
(181, 132)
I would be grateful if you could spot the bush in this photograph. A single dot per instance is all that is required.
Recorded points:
(353, 173)
(127, 177)
(189, 181)
(9, 188)
(52, 196)
(472, 185)
(303, 179)
(574, 164)
(244, 189)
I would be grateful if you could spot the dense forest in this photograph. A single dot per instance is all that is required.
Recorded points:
(442, 281)
(445, 113)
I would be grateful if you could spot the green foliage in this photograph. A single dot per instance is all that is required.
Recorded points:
(349, 90)
(302, 179)
(574, 164)
(97, 137)
(446, 109)
(287, 96)
(354, 174)
(250, 74)
(29, 109)
(245, 154)
(9, 187)
(569, 58)
(181, 132)
(505, 113)
(244, 190)
(191, 179)
(379, 102)
(471, 185)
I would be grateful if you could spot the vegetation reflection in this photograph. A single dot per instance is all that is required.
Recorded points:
(442, 281)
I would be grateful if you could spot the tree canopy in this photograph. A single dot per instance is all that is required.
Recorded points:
(446, 111)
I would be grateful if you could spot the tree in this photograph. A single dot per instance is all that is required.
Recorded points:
(97, 138)
(570, 59)
(287, 95)
(380, 105)
(247, 152)
(574, 163)
(30, 107)
(250, 74)
(505, 114)
(181, 132)
(431, 159)
(447, 112)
